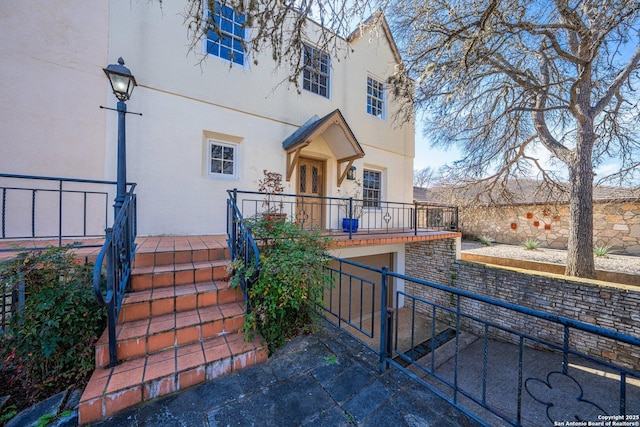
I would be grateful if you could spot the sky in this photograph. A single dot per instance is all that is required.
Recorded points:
(433, 157)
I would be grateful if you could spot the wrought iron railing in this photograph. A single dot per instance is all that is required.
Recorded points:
(43, 207)
(436, 318)
(242, 245)
(116, 260)
(329, 213)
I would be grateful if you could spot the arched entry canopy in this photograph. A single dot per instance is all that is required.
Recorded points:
(338, 136)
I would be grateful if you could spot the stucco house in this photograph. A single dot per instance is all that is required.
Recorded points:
(206, 127)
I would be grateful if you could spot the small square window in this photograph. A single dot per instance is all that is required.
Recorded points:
(375, 97)
(222, 159)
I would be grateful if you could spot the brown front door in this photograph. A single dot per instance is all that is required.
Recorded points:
(311, 185)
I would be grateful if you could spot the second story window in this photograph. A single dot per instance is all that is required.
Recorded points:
(375, 97)
(371, 188)
(315, 75)
(228, 41)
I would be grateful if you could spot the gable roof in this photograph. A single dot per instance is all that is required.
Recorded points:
(377, 18)
(337, 135)
(341, 139)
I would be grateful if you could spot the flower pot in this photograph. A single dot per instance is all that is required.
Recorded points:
(350, 224)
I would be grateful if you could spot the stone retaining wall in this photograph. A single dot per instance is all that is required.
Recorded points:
(615, 224)
(597, 303)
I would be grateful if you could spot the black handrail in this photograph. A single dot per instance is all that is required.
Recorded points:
(119, 250)
(241, 244)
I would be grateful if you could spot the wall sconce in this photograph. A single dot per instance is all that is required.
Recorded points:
(351, 173)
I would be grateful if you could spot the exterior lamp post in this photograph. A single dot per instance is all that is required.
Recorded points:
(122, 84)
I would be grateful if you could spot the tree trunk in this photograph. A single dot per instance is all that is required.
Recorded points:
(580, 246)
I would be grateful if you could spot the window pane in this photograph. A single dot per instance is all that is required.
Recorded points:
(216, 152)
(303, 178)
(228, 168)
(216, 166)
(226, 26)
(228, 153)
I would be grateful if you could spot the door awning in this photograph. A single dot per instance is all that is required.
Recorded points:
(338, 136)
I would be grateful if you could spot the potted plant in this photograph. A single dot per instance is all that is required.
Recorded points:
(271, 186)
(352, 204)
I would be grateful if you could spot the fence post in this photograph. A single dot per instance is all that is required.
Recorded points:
(384, 334)
(59, 217)
(4, 211)
(350, 216)
(415, 218)
(233, 224)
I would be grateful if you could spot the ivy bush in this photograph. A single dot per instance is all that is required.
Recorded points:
(291, 279)
(49, 344)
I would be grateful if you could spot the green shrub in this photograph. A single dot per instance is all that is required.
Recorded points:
(531, 244)
(49, 344)
(291, 280)
(486, 240)
(602, 250)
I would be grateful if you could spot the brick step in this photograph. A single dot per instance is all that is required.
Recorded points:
(162, 276)
(113, 389)
(185, 256)
(156, 302)
(150, 335)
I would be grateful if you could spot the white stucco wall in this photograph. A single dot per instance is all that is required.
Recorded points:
(51, 65)
(52, 124)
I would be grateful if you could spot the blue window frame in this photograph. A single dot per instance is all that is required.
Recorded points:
(228, 42)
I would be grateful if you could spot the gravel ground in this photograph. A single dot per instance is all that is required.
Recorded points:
(611, 262)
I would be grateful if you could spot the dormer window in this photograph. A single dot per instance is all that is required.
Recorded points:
(315, 75)
(228, 41)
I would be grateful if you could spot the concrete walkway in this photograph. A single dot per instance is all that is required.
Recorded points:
(324, 379)
(330, 379)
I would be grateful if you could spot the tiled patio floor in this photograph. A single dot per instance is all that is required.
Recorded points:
(152, 244)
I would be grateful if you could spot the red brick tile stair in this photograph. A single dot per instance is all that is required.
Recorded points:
(178, 327)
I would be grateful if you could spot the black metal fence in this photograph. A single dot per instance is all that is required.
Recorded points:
(335, 214)
(536, 372)
(42, 207)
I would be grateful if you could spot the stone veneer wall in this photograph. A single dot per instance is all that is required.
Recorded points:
(597, 303)
(616, 224)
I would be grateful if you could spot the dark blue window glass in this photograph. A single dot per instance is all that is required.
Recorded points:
(227, 39)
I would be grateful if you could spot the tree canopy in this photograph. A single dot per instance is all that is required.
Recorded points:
(505, 81)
